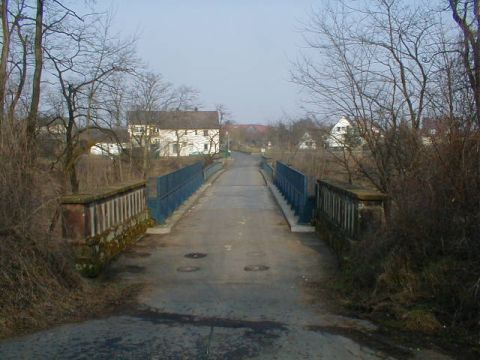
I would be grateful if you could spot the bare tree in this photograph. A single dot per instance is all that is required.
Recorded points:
(83, 62)
(150, 92)
(37, 75)
(224, 114)
(373, 64)
(466, 13)
(185, 98)
(4, 56)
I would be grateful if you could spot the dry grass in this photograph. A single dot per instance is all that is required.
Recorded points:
(41, 289)
(320, 164)
(38, 284)
(96, 171)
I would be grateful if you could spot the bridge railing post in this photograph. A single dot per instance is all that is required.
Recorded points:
(353, 211)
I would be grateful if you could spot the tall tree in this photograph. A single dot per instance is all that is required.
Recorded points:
(4, 56)
(82, 60)
(37, 75)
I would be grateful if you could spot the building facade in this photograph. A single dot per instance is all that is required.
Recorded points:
(175, 133)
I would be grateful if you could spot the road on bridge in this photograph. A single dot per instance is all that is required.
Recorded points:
(230, 282)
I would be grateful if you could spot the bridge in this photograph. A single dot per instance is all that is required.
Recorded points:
(230, 280)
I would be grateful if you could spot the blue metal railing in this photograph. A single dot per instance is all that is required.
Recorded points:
(266, 167)
(212, 169)
(295, 187)
(166, 193)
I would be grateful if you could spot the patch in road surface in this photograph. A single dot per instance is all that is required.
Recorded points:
(256, 268)
(157, 317)
(256, 253)
(188, 268)
(195, 255)
(226, 339)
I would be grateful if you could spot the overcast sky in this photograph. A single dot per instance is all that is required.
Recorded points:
(236, 52)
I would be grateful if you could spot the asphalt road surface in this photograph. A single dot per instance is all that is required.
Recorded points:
(230, 282)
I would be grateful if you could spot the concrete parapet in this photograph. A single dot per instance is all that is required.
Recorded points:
(102, 224)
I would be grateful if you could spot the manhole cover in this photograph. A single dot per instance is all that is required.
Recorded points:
(256, 268)
(188, 268)
(195, 255)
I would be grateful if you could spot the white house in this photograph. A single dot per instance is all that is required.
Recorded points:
(107, 148)
(307, 142)
(172, 133)
(336, 138)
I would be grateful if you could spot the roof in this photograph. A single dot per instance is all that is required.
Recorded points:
(46, 121)
(248, 127)
(342, 122)
(175, 119)
(106, 135)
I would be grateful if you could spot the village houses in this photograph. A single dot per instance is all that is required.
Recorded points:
(175, 133)
(338, 133)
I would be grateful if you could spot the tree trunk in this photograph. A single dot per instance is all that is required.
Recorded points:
(4, 57)
(37, 75)
(23, 77)
(146, 154)
(69, 167)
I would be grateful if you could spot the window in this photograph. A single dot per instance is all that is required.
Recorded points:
(205, 132)
(175, 148)
(196, 132)
(185, 132)
(205, 147)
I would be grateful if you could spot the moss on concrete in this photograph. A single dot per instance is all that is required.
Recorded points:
(96, 252)
(333, 235)
(102, 193)
(354, 191)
